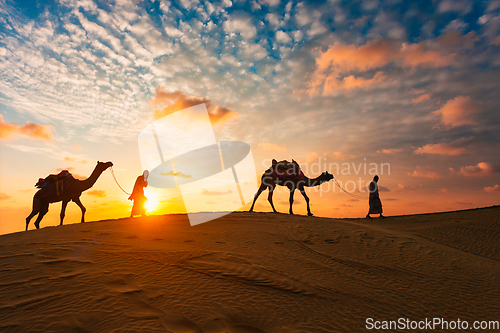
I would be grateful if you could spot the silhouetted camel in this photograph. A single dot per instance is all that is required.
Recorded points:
(72, 192)
(270, 180)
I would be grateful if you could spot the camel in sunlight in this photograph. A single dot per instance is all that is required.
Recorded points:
(288, 174)
(72, 192)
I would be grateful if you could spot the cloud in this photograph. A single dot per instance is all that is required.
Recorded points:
(272, 146)
(282, 37)
(340, 59)
(419, 172)
(390, 151)
(208, 192)
(240, 25)
(74, 159)
(492, 188)
(31, 130)
(446, 149)
(351, 82)
(456, 112)
(4, 196)
(178, 100)
(383, 189)
(340, 155)
(421, 98)
(76, 147)
(97, 193)
(482, 169)
(314, 157)
(176, 174)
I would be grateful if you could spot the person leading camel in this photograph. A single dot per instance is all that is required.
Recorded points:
(374, 200)
(140, 201)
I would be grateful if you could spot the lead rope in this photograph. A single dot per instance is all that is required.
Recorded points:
(117, 182)
(352, 195)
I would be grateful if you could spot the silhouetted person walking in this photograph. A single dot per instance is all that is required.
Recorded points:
(374, 201)
(139, 207)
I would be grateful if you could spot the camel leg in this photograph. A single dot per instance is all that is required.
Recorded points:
(261, 188)
(63, 210)
(307, 201)
(34, 211)
(44, 208)
(270, 197)
(79, 203)
(292, 191)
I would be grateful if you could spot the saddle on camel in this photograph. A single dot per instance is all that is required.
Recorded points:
(285, 170)
(55, 183)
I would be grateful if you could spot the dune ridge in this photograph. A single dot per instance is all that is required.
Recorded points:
(250, 273)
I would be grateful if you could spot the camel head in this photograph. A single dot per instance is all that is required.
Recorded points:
(103, 165)
(326, 177)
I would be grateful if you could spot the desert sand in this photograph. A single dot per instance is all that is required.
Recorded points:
(250, 273)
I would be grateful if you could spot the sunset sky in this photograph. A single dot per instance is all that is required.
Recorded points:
(411, 84)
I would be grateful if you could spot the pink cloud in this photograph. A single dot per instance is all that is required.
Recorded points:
(272, 146)
(414, 55)
(441, 149)
(351, 82)
(456, 112)
(338, 155)
(492, 188)
(334, 65)
(421, 98)
(390, 151)
(480, 170)
(419, 172)
(31, 130)
(178, 100)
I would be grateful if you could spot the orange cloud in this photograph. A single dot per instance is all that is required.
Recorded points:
(315, 157)
(456, 112)
(492, 188)
(351, 82)
(208, 192)
(424, 174)
(339, 60)
(340, 155)
(74, 159)
(178, 100)
(31, 130)
(272, 146)
(76, 147)
(4, 196)
(414, 55)
(421, 98)
(480, 170)
(97, 193)
(390, 151)
(441, 149)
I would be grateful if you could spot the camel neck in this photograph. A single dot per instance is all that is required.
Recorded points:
(313, 182)
(89, 182)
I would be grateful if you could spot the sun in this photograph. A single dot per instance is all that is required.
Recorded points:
(152, 203)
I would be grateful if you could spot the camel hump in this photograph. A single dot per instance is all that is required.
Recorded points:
(42, 182)
(287, 170)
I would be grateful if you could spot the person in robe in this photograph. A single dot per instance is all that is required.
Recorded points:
(140, 201)
(374, 200)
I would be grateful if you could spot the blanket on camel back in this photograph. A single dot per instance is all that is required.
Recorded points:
(287, 170)
(54, 184)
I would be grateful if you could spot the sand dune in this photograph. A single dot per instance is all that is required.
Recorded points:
(250, 273)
